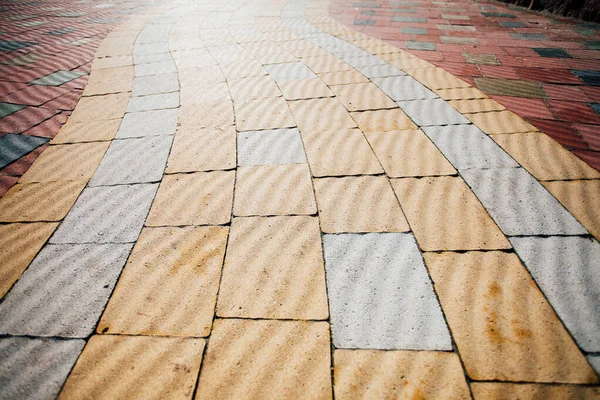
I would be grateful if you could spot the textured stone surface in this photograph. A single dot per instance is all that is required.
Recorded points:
(203, 150)
(432, 112)
(305, 89)
(380, 295)
(401, 88)
(100, 108)
(155, 84)
(279, 146)
(35, 368)
(500, 122)
(289, 72)
(64, 290)
(483, 391)
(262, 113)
(383, 120)
(148, 123)
(476, 105)
(565, 269)
(362, 97)
(153, 102)
(13, 147)
(235, 366)
(321, 115)
(74, 132)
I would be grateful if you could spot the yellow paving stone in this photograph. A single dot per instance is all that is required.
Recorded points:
(305, 89)
(383, 120)
(112, 62)
(362, 96)
(266, 360)
(343, 77)
(532, 391)
(19, 244)
(207, 115)
(274, 190)
(340, 153)
(74, 132)
(466, 93)
(274, 269)
(99, 108)
(45, 201)
(203, 150)
(303, 48)
(358, 204)
(317, 115)
(114, 48)
(476, 105)
(328, 63)
(502, 324)
(436, 78)
(109, 80)
(402, 154)
(260, 114)
(135, 367)
(372, 374)
(200, 198)
(446, 215)
(66, 162)
(195, 58)
(544, 158)
(242, 70)
(169, 285)
(412, 64)
(200, 76)
(253, 88)
(581, 198)
(500, 122)
(191, 96)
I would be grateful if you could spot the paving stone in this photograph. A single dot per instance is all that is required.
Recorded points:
(358, 204)
(46, 201)
(476, 105)
(274, 190)
(460, 94)
(256, 284)
(414, 31)
(466, 147)
(148, 123)
(383, 120)
(457, 28)
(340, 153)
(253, 88)
(289, 72)
(594, 361)
(488, 59)
(155, 84)
(232, 356)
(112, 367)
(402, 153)
(519, 204)
(401, 88)
(591, 78)
(532, 391)
(500, 122)
(7, 109)
(362, 96)
(510, 87)
(363, 374)
(368, 22)
(362, 60)
(170, 283)
(380, 71)
(58, 78)
(78, 278)
(150, 48)
(151, 58)
(502, 325)
(305, 89)
(431, 112)
(200, 198)
(437, 78)
(155, 68)
(260, 114)
(11, 45)
(36, 368)
(320, 115)
(529, 36)
(13, 147)
(393, 305)
(399, 18)
(270, 147)
(563, 267)
(512, 24)
(420, 45)
(93, 131)
(138, 160)
(552, 52)
(192, 96)
(342, 77)
(153, 102)
(498, 15)
(100, 108)
(108, 214)
(459, 40)
(203, 150)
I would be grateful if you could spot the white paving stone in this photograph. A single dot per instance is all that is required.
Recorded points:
(155, 84)
(150, 48)
(151, 58)
(153, 102)
(379, 71)
(594, 361)
(432, 112)
(148, 123)
(155, 68)
(401, 88)
(278, 146)
(289, 71)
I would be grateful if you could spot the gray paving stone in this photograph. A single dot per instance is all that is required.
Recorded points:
(399, 18)
(64, 290)
(154, 33)
(107, 214)
(421, 46)
(401, 88)
(466, 146)
(529, 36)
(566, 270)
(432, 112)
(137, 160)
(153, 102)
(519, 204)
(155, 68)
(278, 146)
(289, 71)
(8, 108)
(57, 78)
(364, 22)
(154, 48)
(151, 58)
(512, 24)
(13, 147)
(11, 45)
(155, 84)
(594, 361)
(414, 31)
(35, 369)
(379, 71)
(380, 295)
(149, 123)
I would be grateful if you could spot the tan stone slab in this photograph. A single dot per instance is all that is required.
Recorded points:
(200, 76)
(110, 80)
(203, 150)
(436, 78)
(243, 70)
(197, 95)
(343, 77)
(200, 198)
(66, 162)
(169, 285)
(135, 367)
(500, 122)
(383, 120)
(260, 114)
(467, 93)
(502, 324)
(372, 374)
(274, 190)
(305, 89)
(544, 158)
(112, 62)
(19, 244)
(206, 115)
(266, 360)
(45, 201)
(358, 204)
(324, 64)
(446, 215)
(274, 269)
(529, 391)
(476, 105)
(100, 108)
(362, 96)
(253, 88)
(402, 154)
(317, 115)
(410, 63)
(581, 198)
(93, 131)
(114, 48)
(339, 153)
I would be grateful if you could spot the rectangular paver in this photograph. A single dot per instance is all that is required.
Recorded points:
(203, 150)
(289, 72)
(278, 146)
(100, 108)
(432, 112)
(321, 115)
(401, 88)
(92, 131)
(155, 84)
(482, 391)
(383, 120)
(13, 147)
(153, 102)
(148, 123)
(58, 78)
(362, 96)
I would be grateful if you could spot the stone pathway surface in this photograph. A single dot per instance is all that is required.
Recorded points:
(252, 200)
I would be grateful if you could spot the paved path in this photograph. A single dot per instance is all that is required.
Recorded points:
(252, 200)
